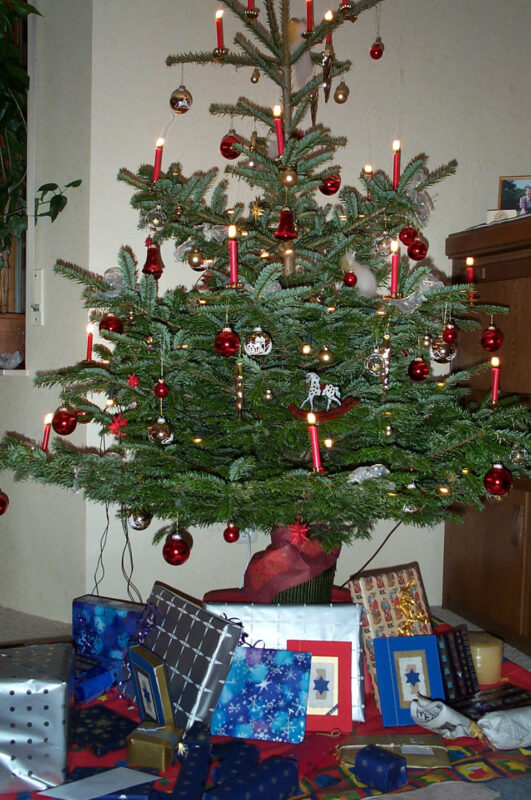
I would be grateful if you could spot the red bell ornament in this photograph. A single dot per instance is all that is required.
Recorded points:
(450, 333)
(418, 370)
(111, 323)
(4, 502)
(175, 550)
(286, 227)
(377, 49)
(226, 147)
(64, 421)
(161, 388)
(153, 265)
(227, 343)
(491, 339)
(417, 250)
(330, 185)
(231, 533)
(350, 279)
(498, 480)
(408, 235)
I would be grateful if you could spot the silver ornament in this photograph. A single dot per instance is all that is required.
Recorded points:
(258, 343)
(181, 100)
(361, 474)
(139, 519)
(382, 244)
(442, 352)
(155, 218)
(161, 432)
(379, 361)
(518, 456)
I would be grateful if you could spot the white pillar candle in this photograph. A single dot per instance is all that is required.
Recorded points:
(487, 654)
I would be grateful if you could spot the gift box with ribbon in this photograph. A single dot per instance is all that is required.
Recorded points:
(103, 626)
(272, 626)
(197, 646)
(394, 604)
(94, 676)
(380, 769)
(276, 778)
(153, 745)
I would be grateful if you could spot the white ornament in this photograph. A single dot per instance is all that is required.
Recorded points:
(258, 343)
(361, 474)
(331, 392)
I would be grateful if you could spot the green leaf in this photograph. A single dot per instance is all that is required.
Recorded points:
(47, 187)
(57, 204)
(74, 184)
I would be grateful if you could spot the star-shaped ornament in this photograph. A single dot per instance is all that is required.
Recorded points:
(256, 210)
(118, 422)
(298, 531)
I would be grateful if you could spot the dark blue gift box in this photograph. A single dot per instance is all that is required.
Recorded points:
(192, 777)
(94, 676)
(240, 757)
(380, 769)
(276, 778)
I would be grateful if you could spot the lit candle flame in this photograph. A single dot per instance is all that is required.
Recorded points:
(469, 261)
(394, 246)
(48, 419)
(396, 145)
(232, 231)
(329, 16)
(219, 13)
(159, 142)
(311, 418)
(277, 111)
(495, 361)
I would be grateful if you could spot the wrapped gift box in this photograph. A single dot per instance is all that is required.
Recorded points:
(380, 769)
(276, 778)
(102, 626)
(36, 696)
(273, 625)
(264, 696)
(101, 730)
(94, 676)
(197, 647)
(153, 745)
(394, 604)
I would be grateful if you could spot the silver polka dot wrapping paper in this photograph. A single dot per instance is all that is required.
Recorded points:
(36, 696)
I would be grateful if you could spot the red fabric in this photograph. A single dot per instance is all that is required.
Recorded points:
(284, 564)
(339, 595)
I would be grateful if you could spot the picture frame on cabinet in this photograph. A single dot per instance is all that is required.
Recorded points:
(514, 193)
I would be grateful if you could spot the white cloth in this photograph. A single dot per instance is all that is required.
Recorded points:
(509, 729)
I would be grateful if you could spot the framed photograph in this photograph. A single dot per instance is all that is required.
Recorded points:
(515, 193)
(329, 703)
(151, 685)
(407, 666)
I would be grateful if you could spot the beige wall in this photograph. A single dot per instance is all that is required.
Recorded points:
(452, 83)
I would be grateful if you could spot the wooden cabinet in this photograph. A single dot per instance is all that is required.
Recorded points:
(487, 559)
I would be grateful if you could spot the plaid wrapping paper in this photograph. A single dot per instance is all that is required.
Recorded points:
(394, 604)
(197, 646)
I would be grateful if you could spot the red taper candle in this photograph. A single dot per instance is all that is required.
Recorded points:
(314, 440)
(394, 267)
(159, 146)
(309, 15)
(277, 114)
(219, 29)
(396, 163)
(495, 363)
(250, 5)
(90, 339)
(46, 434)
(233, 255)
(329, 16)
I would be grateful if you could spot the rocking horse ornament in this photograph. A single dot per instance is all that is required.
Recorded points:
(327, 390)
(331, 392)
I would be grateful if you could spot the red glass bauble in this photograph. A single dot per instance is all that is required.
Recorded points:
(4, 503)
(408, 235)
(330, 185)
(64, 421)
(350, 279)
(286, 227)
(491, 339)
(418, 369)
(450, 334)
(111, 323)
(83, 417)
(417, 250)
(231, 533)
(161, 388)
(377, 49)
(226, 147)
(498, 480)
(227, 343)
(175, 551)
(153, 265)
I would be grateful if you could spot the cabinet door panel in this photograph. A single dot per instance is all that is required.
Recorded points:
(485, 562)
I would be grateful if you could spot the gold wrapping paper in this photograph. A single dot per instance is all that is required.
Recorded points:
(153, 745)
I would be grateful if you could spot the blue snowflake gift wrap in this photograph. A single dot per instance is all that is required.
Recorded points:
(102, 626)
(264, 696)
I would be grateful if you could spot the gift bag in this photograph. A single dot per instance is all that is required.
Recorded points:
(264, 696)
(273, 625)
(197, 647)
(103, 626)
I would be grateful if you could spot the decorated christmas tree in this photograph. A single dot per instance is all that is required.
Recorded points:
(295, 384)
